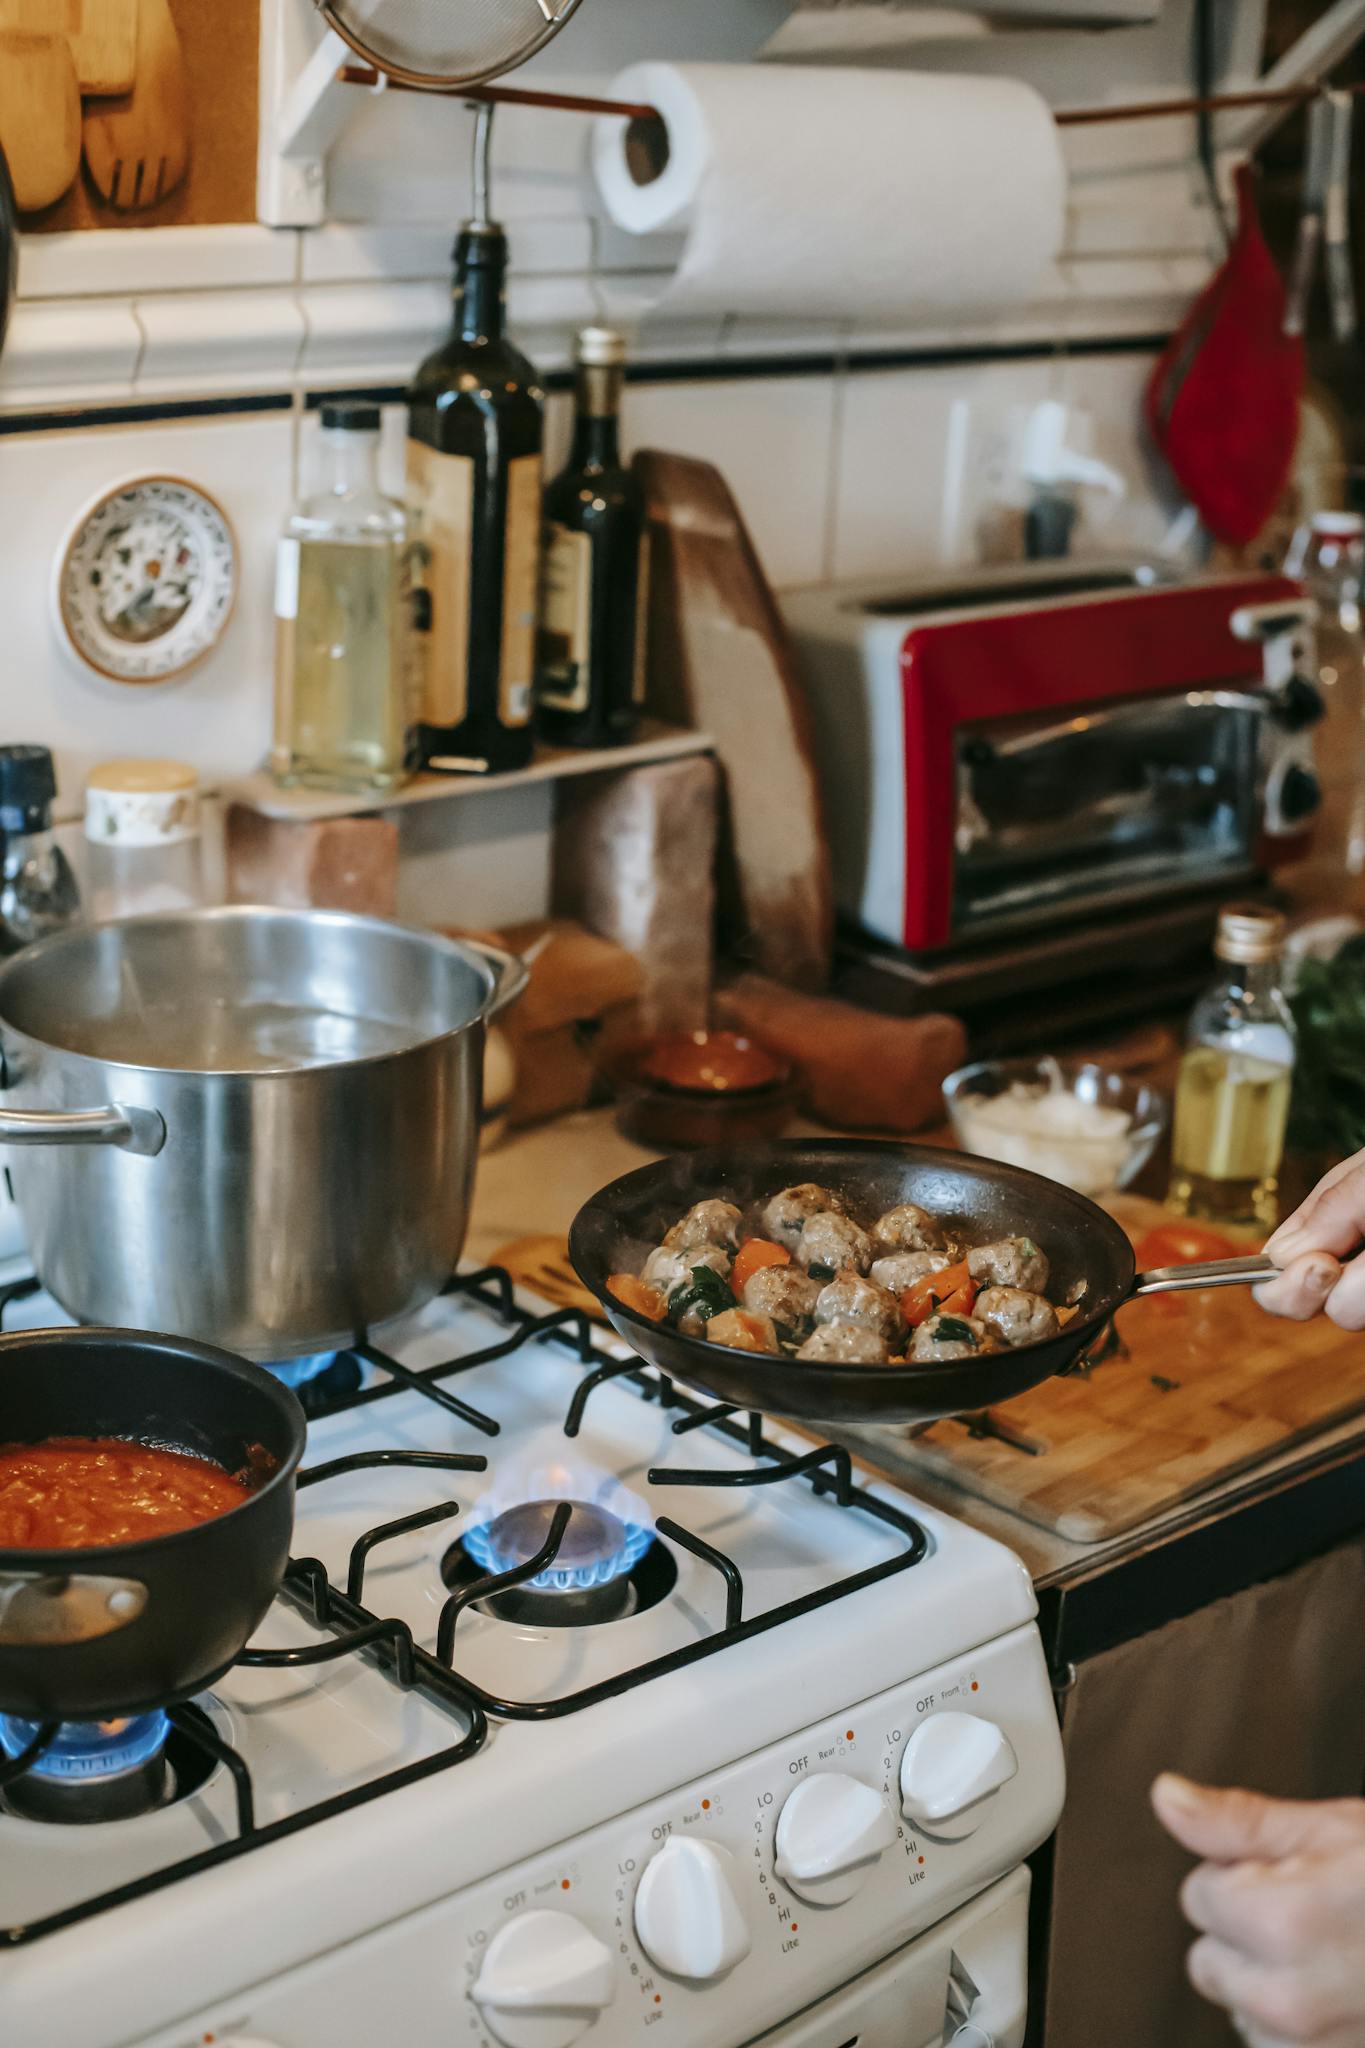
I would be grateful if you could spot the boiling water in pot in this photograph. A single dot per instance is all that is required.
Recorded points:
(218, 1036)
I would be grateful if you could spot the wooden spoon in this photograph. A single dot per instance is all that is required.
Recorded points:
(40, 117)
(137, 149)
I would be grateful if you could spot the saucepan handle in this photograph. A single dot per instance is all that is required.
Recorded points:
(123, 1124)
(510, 975)
(41, 1609)
(1244, 1272)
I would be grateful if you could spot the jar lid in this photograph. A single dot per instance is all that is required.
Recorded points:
(1249, 934)
(137, 775)
(27, 779)
(141, 803)
(1339, 525)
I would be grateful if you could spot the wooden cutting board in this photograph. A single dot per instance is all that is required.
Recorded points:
(1209, 1387)
(720, 662)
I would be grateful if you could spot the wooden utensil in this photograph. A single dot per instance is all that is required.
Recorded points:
(40, 117)
(103, 41)
(137, 149)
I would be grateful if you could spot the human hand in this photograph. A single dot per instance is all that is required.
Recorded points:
(1311, 1244)
(1280, 1905)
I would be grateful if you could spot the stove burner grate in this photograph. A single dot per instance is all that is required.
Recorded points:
(349, 1628)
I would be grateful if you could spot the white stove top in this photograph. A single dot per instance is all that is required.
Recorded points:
(467, 1796)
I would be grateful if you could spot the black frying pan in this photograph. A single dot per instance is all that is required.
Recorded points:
(88, 1635)
(1092, 1264)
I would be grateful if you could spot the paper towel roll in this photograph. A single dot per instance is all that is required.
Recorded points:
(840, 192)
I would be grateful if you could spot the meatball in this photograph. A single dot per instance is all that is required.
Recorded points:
(902, 1269)
(1016, 1315)
(907, 1228)
(788, 1213)
(785, 1293)
(1010, 1262)
(941, 1337)
(834, 1242)
(851, 1299)
(667, 1269)
(743, 1330)
(845, 1344)
(705, 1223)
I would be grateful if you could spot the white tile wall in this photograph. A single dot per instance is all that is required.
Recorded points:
(218, 716)
(772, 437)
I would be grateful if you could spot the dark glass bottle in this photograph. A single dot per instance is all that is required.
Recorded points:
(593, 601)
(474, 477)
(38, 891)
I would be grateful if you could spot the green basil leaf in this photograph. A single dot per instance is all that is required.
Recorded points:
(820, 1271)
(952, 1330)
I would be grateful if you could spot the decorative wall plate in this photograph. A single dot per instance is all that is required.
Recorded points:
(147, 581)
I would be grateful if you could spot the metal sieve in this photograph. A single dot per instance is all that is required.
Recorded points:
(445, 44)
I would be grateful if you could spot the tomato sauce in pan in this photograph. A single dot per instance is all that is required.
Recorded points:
(74, 1492)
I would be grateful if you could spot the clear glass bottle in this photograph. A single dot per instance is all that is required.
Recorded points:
(1232, 1098)
(342, 622)
(38, 892)
(1328, 556)
(144, 851)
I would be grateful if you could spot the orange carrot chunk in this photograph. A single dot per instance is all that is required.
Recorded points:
(923, 1296)
(646, 1301)
(753, 1255)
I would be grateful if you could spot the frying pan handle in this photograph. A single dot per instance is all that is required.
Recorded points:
(1245, 1272)
(41, 1609)
(135, 1130)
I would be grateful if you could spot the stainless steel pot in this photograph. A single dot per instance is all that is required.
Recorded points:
(256, 1127)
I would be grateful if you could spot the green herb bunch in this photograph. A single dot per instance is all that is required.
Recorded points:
(1328, 1108)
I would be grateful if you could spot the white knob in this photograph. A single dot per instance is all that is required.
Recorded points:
(952, 1764)
(686, 1913)
(829, 1834)
(544, 1981)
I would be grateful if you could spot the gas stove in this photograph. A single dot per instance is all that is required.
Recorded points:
(586, 1709)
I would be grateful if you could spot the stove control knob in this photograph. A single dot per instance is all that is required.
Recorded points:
(954, 1763)
(831, 1831)
(686, 1913)
(544, 1981)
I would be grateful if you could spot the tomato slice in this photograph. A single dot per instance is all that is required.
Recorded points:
(1184, 1244)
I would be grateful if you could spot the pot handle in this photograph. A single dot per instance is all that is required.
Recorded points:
(1246, 1272)
(124, 1124)
(510, 975)
(41, 1609)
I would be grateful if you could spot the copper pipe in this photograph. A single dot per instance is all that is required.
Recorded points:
(507, 95)
(635, 110)
(1222, 102)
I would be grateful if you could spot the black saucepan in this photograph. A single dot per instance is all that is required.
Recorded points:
(91, 1634)
(1091, 1258)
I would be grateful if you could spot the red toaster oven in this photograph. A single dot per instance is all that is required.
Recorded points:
(1034, 745)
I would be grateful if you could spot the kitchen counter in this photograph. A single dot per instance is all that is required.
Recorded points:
(1253, 1526)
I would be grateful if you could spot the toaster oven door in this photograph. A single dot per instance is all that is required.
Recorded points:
(1057, 817)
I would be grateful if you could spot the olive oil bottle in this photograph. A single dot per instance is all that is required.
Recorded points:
(591, 641)
(474, 487)
(1232, 1097)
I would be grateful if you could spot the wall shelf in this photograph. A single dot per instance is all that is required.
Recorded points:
(657, 742)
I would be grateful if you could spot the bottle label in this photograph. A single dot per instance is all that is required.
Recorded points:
(565, 619)
(441, 492)
(640, 677)
(287, 580)
(520, 580)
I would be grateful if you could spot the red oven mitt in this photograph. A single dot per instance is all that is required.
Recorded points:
(1222, 404)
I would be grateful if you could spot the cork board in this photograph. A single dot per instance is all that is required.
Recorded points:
(220, 41)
